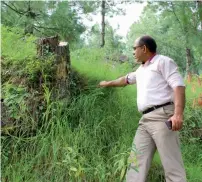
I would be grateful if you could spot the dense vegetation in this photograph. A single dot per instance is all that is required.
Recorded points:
(88, 137)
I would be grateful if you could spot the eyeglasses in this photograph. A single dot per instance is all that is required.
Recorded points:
(135, 47)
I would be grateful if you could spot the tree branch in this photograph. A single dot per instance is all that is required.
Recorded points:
(21, 13)
(37, 29)
(13, 4)
(173, 10)
(52, 28)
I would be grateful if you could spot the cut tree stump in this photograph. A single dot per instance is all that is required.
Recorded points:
(51, 45)
(47, 45)
(63, 69)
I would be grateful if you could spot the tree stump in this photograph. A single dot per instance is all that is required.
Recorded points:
(47, 45)
(63, 69)
(51, 45)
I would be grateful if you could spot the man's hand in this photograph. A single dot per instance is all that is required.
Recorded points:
(177, 118)
(177, 121)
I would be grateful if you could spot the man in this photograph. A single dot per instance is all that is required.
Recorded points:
(161, 99)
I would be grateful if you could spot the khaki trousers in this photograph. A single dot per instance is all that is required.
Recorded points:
(152, 134)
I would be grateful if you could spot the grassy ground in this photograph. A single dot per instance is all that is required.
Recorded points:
(90, 140)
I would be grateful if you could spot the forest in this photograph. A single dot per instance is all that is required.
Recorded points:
(57, 124)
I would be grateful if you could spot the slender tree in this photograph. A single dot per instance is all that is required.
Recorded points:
(103, 24)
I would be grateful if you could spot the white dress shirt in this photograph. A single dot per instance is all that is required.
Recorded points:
(155, 81)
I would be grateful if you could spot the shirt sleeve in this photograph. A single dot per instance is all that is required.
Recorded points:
(169, 70)
(131, 78)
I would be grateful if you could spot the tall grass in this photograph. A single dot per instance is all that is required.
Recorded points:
(87, 141)
(90, 138)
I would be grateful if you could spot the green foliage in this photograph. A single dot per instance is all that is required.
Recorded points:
(24, 14)
(14, 99)
(19, 58)
(96, 60)
(43, 18)
(114, 47)
(70, 28)
(37, 68)
(192, 128)
(23, 76)
(17, 116)
(17, 48)
(113, 42)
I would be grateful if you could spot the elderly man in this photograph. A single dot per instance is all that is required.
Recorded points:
(161, 100)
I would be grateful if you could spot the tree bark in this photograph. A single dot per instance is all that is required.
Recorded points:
(199, 3)
(188, 61)
(47, 45)
(63, 70)
(61, 51)
(103, 24)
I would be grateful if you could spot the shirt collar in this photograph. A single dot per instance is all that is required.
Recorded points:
(151, 59)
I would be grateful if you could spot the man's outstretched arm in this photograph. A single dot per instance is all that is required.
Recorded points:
(120, 82)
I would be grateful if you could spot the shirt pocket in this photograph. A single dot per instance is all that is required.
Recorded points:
(152, 79)
(155, 70)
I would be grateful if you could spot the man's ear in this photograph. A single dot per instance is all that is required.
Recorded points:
(145, 48)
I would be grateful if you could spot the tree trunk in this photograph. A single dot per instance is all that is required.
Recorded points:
(29, 27)
(63, 70)
(47, 45)
(103, 24)
(188, 61)
(51, 45)
(199, 3)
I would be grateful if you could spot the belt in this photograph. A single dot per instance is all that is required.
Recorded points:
(156, 107)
